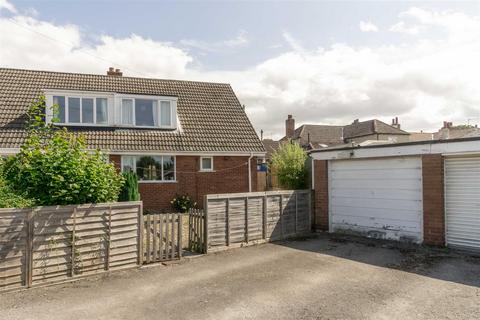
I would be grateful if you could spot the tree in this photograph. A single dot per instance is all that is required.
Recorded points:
(54, 166)
(289, 164)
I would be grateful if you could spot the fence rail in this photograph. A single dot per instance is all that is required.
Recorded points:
(51, 244)
(244, 217)
(162, 237)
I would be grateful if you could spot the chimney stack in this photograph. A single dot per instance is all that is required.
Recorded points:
(395, 123)
(114, 72)
(289, 127)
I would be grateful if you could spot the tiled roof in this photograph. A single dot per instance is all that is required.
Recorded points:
(318, 135)
(270, 146)
(364, 128)
(211, 117)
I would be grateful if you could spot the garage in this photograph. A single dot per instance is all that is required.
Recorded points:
(379, 198)
(462, 202)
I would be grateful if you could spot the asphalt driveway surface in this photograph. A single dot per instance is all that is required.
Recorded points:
(322, 278)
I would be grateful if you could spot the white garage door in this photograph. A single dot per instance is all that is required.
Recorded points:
(462, 202)
(379, 198)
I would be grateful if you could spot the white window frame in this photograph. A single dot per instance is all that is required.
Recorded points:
(208, 169)
(114, 108)
(122, 162)
(94, 97)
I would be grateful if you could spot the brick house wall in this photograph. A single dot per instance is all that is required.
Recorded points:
(230, 175)
(321, 194)
(433, 199)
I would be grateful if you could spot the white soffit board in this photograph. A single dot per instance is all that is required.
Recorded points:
(462, 202)
(378, 198)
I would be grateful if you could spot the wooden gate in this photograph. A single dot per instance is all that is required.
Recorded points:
(162, 237)
(196, 231)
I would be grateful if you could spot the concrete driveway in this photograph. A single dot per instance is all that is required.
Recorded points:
(321, 278)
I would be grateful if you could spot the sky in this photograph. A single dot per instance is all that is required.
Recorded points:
(324, 62)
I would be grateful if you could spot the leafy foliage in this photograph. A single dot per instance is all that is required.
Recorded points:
(289, 164)
(54, 166)
(129, 190)
(183, 203)
(11, 199)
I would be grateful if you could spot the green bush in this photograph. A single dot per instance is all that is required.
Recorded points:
(54, 166)
(129, 190)
(289, 164)
(183, 203)
(10, 199)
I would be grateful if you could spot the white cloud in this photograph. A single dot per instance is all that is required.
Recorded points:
(401, 27)
(240, 40)
(367, 26)
(38, 44)
(5, 4)
(424, 81)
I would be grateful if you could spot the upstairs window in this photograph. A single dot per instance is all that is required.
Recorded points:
(81, 110)
(146, 112)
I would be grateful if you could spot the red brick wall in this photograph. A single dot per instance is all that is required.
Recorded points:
(433, 200)
(230, 175)
(321, 194)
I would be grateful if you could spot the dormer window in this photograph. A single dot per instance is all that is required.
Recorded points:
(113, 109)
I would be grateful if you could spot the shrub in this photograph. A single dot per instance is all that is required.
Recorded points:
(289, 163)
(183, 203)
(54, 166)
(11, 199)
(129, 190)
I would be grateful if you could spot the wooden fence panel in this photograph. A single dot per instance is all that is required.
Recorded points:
(13, 247)
(51, 244)
(196, 230)
(239, 218)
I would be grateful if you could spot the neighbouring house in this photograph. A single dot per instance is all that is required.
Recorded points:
(361, 131)
(180, 137)
(311, 136)
(422, 192)
(449, 131)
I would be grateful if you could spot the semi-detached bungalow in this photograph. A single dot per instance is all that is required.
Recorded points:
(424, 192)
(180, 137)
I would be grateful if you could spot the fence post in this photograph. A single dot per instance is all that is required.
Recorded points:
(72, 267)
(246, 219)
(107, 266)
(180, 227)
(29, 248)
(281, 216)
(296, 211)
(205, 208)
(140, 234)
(227, 217)
(264, 216)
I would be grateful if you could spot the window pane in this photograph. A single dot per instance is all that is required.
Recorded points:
(206, 163)
(165, 113)
(87, 110)
(60, 101)
(128, 163)
(102, 110)
(74, 110)
(168, 168)
(127, 111)
(149, 168)
(145, 112)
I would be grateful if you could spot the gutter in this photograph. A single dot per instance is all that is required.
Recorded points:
(250, 172)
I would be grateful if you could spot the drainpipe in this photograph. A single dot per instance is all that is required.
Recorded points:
(250, 172)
